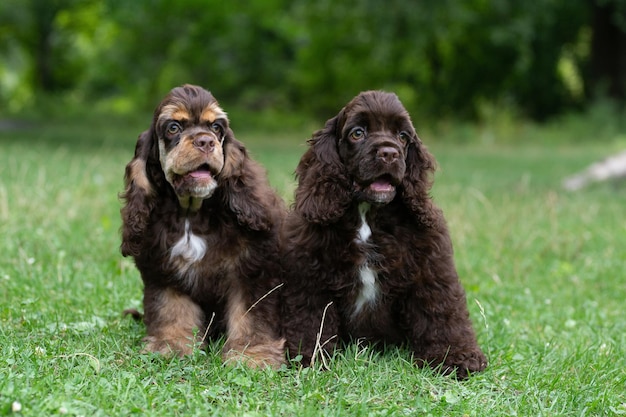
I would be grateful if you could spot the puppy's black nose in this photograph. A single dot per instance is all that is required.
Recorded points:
(388, 154)
(205, 143)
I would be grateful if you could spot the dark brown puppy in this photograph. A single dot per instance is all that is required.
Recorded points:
(201, 222)
(368, 254)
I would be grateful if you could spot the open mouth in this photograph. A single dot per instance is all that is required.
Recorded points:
(200, 182)
(381, 190)
(381, 185)
(202, 172)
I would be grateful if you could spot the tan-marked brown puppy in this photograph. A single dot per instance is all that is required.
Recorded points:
(368, 255)
(201, 222)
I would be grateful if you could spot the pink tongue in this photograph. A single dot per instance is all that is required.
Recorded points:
(380, 186)
(200, 174)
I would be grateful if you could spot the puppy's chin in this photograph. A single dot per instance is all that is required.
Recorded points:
(380, 191)
(193, 188)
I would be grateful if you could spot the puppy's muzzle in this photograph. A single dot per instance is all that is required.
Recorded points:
(206, 143)
(387, 154)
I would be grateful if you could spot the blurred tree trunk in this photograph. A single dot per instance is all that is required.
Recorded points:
(44, 13)
(608, 49)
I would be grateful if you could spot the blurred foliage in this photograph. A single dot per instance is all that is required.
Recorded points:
(445, 58)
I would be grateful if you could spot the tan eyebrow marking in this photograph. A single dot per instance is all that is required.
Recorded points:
(174, 112)
(180, 115)
(212, 113)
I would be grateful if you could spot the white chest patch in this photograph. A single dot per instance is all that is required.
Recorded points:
(190, 247)
(369, 291)
(364, 231)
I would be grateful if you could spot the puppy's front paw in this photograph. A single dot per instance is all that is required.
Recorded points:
(464, 364)
(178, 347)
(268, 354)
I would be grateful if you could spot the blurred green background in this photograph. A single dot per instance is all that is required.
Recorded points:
(279, 59)
(511, 96)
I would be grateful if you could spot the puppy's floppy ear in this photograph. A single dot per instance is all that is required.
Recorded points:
(244, 186)
(139, 195)
(418, 180)
(324, 190)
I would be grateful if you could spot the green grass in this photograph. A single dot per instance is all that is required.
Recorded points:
(543, 269)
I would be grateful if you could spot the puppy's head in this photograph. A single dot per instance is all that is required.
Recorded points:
(370, 153)
(375, 132)
(190, 128)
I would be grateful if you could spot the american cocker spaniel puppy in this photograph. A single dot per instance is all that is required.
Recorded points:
(202, 223)
(367, 253)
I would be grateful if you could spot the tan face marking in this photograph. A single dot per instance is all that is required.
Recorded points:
(185, 157)
(176, 112)
(212, 113)
(180, 115)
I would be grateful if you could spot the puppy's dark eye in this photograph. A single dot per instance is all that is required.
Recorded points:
(404, 137)
(216, 128)
(173, 128)
(357, 133)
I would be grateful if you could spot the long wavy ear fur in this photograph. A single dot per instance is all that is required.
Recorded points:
(245, 188)
(324, 190)
(139, 196)
(418, 181)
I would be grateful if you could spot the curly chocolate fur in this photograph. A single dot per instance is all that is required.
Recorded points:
(202, 224)
(367, 250)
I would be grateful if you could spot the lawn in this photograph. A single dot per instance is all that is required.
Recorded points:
(544, 271)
